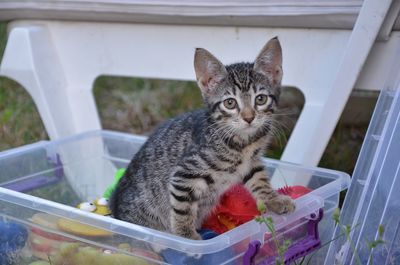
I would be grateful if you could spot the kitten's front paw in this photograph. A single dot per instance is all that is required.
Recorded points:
(281, 204)
(190, 235)
(196, 236)
(193, 235)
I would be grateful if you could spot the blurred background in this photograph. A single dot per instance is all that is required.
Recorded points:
(136, 105)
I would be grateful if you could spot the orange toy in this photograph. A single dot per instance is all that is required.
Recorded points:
(237, 206)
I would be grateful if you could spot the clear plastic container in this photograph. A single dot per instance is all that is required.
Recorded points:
(373, 199)
(41, 185)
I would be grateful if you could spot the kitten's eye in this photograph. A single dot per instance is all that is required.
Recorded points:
(261, 99)
(230, 103)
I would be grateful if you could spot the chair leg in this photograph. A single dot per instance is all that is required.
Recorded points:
(30, 59)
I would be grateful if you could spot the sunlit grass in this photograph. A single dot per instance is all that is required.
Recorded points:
(20, 122)
(138, 105)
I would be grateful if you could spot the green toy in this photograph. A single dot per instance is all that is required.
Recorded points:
(109, 191)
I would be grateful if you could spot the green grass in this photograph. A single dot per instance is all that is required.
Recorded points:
(136, 105)
(344, 147)
(20, 122)
(3, 38)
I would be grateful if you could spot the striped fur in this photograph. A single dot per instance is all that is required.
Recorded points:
(177, 177)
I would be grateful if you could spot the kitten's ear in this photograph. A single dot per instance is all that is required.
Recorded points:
(209, 70)
(269, 61)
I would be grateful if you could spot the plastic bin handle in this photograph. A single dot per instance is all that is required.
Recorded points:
(297, 250)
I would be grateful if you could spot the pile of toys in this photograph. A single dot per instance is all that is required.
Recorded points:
(48, 244)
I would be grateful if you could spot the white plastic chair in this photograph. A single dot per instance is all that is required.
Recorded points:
(58, 57)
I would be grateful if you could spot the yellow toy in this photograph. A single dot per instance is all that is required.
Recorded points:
(80, 229)
(100, 206)
(40, 262)
(87, 207)
(76, 254)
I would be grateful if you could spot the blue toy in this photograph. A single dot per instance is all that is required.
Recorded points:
(177, 258)
(13, 237)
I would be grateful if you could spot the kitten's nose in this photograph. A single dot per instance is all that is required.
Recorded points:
(248, 119)
(248, 115)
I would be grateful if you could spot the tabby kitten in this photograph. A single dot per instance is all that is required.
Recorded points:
(177, 177)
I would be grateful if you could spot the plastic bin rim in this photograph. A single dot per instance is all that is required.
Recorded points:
(344, 177)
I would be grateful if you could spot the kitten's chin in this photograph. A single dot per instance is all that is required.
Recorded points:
(247, 132)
